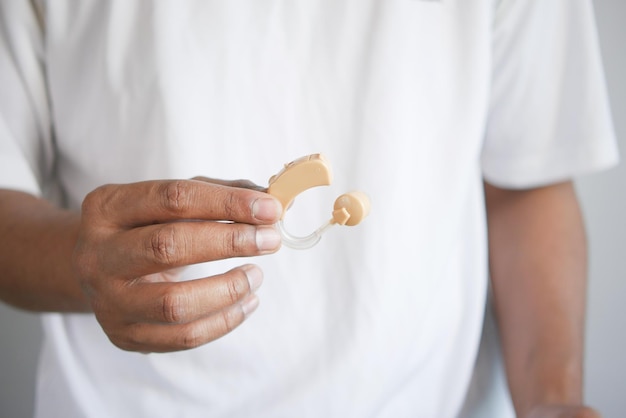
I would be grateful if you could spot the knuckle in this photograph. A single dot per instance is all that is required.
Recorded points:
(99, 204)
(230, 319)
(95, 199)
(124, 344)
(237, 240)
(192, 337)
(125, 338)
(176, 196)
(104, 193)
(174, 307)
(162, 245)
(236, 203)
(234, 291)
(90, 203)
(230, 204)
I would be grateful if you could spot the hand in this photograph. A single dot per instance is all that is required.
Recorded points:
(563, 411)
(133, 240)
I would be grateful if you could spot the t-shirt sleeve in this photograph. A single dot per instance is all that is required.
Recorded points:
(549, 117)
(26, 149)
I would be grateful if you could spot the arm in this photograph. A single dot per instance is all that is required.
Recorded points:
(538, 270)
(35, 252)
(119, 257)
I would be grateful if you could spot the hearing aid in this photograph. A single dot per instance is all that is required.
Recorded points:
(302, 174)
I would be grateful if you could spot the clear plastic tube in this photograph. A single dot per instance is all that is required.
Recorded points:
(302, 243)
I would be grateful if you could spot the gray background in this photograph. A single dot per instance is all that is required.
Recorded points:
(603, 199)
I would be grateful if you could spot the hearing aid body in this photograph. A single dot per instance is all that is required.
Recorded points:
(302, 174)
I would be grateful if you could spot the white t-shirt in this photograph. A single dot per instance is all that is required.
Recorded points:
(413, 102)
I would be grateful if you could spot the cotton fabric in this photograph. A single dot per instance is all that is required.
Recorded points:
(413, 102)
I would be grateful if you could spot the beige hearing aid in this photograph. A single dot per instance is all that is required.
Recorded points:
(302, 174)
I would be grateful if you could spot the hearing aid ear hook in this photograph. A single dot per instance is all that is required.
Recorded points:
(303, 174)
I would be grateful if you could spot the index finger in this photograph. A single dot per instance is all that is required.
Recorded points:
(160, 201)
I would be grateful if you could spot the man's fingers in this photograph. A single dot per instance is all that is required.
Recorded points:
(151, 249)
(184, 302)
(131, 234)
(147, 337)
(151, 202)
(163, 317)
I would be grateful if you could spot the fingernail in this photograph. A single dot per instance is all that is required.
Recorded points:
(267, 238)
(266, 209)
(254, 275)
(249, 304)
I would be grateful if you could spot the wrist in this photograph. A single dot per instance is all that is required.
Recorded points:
(562, 411)
(550, 385)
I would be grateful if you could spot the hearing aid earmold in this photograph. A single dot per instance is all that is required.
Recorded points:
(302, 174)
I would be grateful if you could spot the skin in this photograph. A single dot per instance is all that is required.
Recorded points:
(119, 256)
(538, 257)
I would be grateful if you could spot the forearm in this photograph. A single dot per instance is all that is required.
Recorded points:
(36, 244)
(538, 271)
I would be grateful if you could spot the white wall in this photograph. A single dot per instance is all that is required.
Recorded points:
(604, 202)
